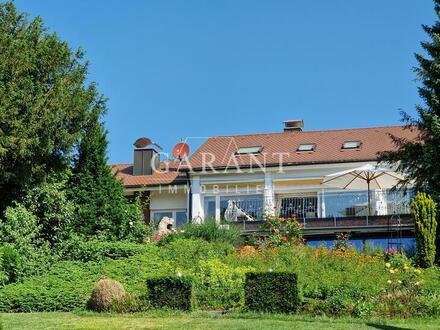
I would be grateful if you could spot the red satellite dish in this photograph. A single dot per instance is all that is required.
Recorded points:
(181, 150)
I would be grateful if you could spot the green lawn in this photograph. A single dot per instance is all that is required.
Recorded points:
(167, 320)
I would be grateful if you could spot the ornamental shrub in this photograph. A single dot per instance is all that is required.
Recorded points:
(275, 292)
(106, 293)
(211, 232)
(95, 250)
(218, 285)
(170, 292)
(423, 210)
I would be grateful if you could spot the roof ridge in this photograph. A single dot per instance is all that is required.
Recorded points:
(312, 131)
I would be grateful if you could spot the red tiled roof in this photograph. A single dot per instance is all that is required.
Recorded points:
(328, 147)
(223, 149)
(124, 172)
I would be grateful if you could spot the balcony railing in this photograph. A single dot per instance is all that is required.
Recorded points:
(340, 209)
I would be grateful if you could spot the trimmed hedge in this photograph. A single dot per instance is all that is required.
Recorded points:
(275, 292)
(170, 292)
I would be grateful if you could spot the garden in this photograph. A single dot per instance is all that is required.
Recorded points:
(76, 253)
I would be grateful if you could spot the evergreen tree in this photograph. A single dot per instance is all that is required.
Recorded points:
(102, 208)
(420, 158)
(423, 211)
(44, 102)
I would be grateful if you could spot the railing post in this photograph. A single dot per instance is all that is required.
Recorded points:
(334, 219)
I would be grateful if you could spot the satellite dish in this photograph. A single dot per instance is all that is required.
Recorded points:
(142, 142)
(180, 150)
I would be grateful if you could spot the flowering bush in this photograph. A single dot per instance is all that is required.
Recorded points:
(283, 230)
(401, 292)
(341, 243)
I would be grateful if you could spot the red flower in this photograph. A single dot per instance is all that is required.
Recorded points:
(277, 231)
(284, 238)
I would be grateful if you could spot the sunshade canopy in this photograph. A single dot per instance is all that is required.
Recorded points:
(367, 176)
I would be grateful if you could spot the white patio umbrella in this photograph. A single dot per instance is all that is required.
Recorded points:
(371, 176)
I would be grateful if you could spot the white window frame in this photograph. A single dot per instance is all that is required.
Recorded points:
(172, 211)
(217, 202)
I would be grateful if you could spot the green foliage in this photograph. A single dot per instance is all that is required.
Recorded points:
(423, 210)
(96, 250)
(44, 103)
(211, 232)
(106, 293)
(186, 253)
(65, 288)
(218, 285)
(170, 292)
(49, 203)
(282, 231)
(20, 227)
(10, 264)
(104, 210)
(275, 292)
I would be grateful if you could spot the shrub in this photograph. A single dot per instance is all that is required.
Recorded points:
(66, 287)
(130, 303)
(423, 210)
(53, 209)
(105, 293)
(271, 292)
(19, 227)
(170, 292)
(282, 230)
(95, 250)
(211, 232)
(186, 253)
(10, 264)
(218, 285)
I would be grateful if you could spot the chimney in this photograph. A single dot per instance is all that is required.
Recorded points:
(146, 158)
(295, 125)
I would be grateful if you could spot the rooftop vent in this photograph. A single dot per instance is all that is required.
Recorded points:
(293, 125)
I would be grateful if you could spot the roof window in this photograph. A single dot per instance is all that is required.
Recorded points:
(249, 150)
(348, 145)
(306, 147)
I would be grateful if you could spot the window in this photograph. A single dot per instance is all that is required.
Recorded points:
(351, 145)
(305, 206)
(252, 205)
(209, 207)
(249, 150)
(180, 216)
(306, 147)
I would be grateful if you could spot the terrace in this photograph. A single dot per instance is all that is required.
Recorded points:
(329, 212)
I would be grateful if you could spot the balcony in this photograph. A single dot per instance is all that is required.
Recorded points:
(346, 210)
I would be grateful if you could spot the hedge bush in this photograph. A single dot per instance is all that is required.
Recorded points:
(275, 292)
(170, 292)
(95, 250)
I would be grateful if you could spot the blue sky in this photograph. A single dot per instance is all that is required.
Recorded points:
(176, 69)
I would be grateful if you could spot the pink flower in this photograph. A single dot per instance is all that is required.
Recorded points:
(157, 237)
(277, 231)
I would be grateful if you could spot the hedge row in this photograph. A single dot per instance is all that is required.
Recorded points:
(275, 292)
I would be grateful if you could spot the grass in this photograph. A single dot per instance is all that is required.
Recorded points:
(199, 320)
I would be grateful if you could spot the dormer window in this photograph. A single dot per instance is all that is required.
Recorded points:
(306, 147)
(249, 150)
(350, 145)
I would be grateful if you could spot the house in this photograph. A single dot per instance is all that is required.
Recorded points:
(282, 172)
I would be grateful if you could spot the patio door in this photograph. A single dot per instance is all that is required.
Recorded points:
(302, 206)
